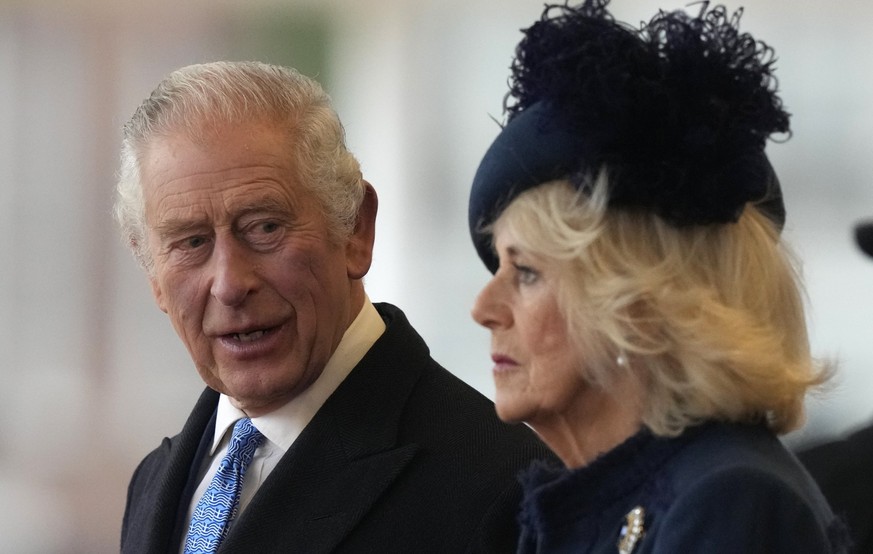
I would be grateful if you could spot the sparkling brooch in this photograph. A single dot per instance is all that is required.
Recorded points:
(632, 530)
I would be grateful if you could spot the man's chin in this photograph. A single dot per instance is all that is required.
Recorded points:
(256, 399)
(254, 392)
(257, 405)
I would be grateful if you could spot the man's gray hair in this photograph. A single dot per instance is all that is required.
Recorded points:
(199, 98)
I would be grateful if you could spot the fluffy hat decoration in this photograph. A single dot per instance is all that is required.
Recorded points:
(677, 111)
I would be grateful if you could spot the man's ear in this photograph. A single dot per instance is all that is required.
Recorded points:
(359, 247)
(157, 293)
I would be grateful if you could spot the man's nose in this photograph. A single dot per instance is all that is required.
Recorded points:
(234, 273)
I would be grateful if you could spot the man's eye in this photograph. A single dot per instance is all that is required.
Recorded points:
(264, 234)
(192, 243)
(269, 227)
(188, 249)
(263, 228)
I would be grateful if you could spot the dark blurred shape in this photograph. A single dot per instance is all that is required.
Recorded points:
(841, 465)
(864, 236)
(841, 468)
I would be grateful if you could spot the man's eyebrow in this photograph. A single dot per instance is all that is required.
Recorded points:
(175, 227)
(172, 227)
(263, 205)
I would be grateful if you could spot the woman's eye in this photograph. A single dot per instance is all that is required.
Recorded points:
(526, 275)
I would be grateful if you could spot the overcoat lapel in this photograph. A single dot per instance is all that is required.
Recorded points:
(342, 462)
(154, 525)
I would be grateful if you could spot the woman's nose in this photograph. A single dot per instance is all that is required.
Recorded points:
(489, 310)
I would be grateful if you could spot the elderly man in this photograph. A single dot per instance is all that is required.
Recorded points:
(325, 425)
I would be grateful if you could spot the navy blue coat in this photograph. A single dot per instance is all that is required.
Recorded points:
(717, 488)
(403, 457)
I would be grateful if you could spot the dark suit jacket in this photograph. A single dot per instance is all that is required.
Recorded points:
(403, 457)
(844, 472)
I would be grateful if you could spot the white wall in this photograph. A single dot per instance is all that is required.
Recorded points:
(93, 375)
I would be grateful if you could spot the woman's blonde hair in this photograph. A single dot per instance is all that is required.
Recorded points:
(709, 317)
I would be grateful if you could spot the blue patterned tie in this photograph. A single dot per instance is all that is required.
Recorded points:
(217, 507)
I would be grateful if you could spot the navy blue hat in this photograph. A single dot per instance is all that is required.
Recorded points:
(678, 111)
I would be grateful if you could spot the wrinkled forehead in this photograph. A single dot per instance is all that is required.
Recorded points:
(239, 161)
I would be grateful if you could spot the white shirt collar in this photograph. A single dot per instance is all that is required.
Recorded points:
(283, 425)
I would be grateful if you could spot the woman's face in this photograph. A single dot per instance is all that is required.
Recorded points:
(537, 370)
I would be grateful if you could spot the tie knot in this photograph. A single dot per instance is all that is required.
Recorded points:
(245, 439)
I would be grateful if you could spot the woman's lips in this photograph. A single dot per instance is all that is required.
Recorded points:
(503, 364)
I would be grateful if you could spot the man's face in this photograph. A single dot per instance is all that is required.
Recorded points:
(244, 265)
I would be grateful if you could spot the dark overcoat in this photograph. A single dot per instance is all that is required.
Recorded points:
(403, 457)
(716, 489)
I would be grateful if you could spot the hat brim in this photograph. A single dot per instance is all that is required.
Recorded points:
(531, 149)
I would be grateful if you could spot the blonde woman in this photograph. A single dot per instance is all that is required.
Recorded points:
(646, 316)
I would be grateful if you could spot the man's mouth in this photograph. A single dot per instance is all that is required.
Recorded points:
(249, 337)
(249, 342)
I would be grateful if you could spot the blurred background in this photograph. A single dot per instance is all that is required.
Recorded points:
(92, 374)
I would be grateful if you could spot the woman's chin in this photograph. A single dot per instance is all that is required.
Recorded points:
(508, 411)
